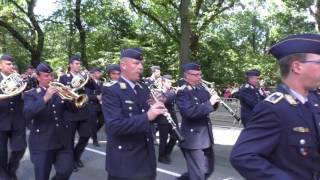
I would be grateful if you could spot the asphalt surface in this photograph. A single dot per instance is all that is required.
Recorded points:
(94, 159)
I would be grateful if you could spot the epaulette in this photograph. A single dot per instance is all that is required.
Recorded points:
(110, 83)
(29, 90)
(38, 90)
(274, 97)
(122, 85)
(189, 87)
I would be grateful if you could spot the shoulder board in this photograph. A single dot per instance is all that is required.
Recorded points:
(122, 85)
(274, 97)
(38, 90)
(108, 84)
(189, 87)
(29, 90)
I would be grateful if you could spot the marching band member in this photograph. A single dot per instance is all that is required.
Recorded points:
(249, 95)
(165, 148)
(79, 121)
(195, 105)
(113, 71)
(50, 140)
(94, 93)
(130, 150)
(12, 126)
(281, 140)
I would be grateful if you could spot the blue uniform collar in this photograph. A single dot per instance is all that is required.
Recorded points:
(301, 98)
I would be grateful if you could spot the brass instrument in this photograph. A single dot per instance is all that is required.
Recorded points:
(173, 125)
(79, 80)
(209, 86)
(12, 86)
(78, 99)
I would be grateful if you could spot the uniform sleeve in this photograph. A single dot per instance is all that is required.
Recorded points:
(190, 110)
(255, 143)
(248, 96)
(91, 95)
(33, 104)
(116, 123)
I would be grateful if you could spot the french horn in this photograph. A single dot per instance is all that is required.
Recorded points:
(12, 85)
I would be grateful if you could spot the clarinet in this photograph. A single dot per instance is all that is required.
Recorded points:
(212, 92)
(173, 125)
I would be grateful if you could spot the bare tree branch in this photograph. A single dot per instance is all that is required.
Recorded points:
(16, 35)
(155, 19)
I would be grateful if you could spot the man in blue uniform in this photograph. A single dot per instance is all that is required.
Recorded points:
(50, 140)
(113, 71)
(79, 121)
(130, 150)
(165, 147)
(249, 95)
(12, 126)
(93, 89)
(281, 140)
(195, 104)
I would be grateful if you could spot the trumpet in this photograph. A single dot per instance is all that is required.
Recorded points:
(173, 125)
(209, 87)
(78, 99)
(12, 85)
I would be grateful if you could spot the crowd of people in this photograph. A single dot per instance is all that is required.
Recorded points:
(280, 138)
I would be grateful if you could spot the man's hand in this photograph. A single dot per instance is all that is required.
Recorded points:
(50, 92)
(214, 99)
(155, 110)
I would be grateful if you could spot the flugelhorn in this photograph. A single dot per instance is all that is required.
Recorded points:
(78, 99)
(12, 85)
(209, 86)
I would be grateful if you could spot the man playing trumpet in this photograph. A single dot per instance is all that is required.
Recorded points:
(50, 140)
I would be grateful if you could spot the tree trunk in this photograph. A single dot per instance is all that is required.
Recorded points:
(185, 33)
(82, 34)
(317, 15)
(194, 47)
(35, 58)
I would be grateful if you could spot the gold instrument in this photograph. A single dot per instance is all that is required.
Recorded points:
(12, 86)
(209, 86)
(78, 99)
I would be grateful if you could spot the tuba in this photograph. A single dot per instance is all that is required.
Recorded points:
(12, 86)
(209, 86)
(78, 99)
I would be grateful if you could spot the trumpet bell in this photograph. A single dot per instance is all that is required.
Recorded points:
(65, 93)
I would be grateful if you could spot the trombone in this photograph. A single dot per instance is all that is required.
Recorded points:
(209, 86)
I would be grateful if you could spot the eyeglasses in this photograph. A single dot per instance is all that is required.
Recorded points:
(312, 61)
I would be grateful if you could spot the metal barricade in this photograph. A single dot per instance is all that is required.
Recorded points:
(223, 117)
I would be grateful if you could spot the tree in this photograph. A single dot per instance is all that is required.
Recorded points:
(184, 21)
(22, 24)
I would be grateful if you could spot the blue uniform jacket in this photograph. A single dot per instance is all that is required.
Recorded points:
(280, 140)
(92, 90)
(11, 117)
(48, 129)
(249, 96)
(195, 108)
(83, 112)
(130, 149)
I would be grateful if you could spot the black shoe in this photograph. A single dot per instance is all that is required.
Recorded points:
(163, 160)
(96, 143)
(79, 164)
(75, 169)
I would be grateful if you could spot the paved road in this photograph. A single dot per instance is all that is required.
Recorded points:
(94, 160)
